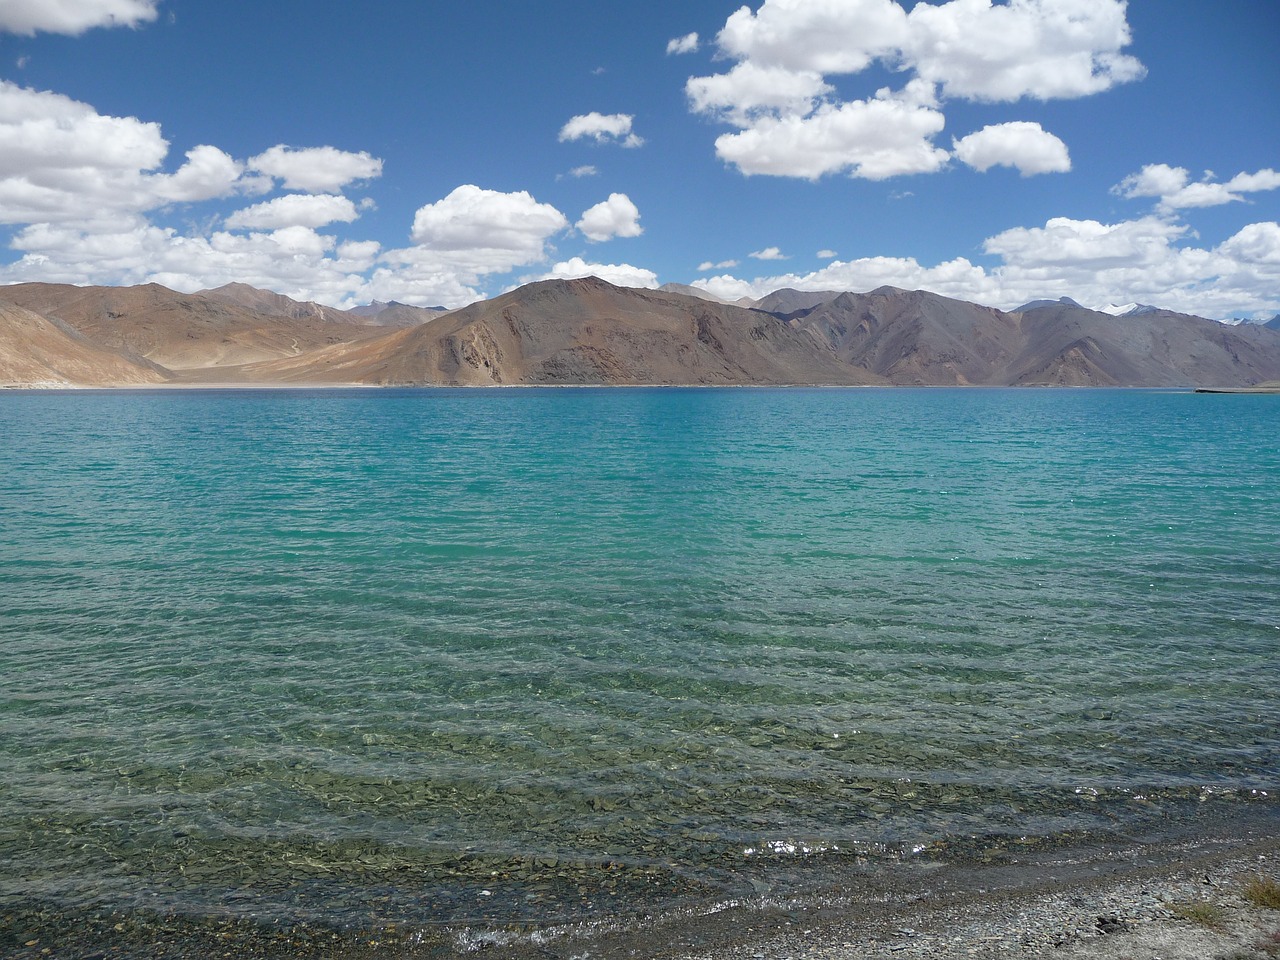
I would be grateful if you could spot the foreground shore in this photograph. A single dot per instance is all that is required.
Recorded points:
(1169, 901)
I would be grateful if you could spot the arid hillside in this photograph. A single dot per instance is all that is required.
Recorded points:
(585, 332)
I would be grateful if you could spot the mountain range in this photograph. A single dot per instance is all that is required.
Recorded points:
(588, 331)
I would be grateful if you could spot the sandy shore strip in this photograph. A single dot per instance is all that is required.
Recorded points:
(1212, 898)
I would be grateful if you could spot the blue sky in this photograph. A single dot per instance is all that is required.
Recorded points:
(436, 153)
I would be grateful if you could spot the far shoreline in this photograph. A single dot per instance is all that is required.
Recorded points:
(238, 387)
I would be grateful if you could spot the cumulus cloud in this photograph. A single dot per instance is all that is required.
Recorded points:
(602, 128)
(750, 92)
(295, 261)
(483, 231)
(827, 36)
(619, 274)
(82, 189)
(686, 44)
(826, 254)
(615, 217)
(1025, 146)
(793, 124)
(294, 210)
(887, 136)
(1041, 49)
(208, 173)
(1063, 241)
(586, 170)
(1175, 191)
(1151, 260)
(45, 129)
(722, 265)
(316, 169)
(1256, 245)
(60, 160)
(72, 17)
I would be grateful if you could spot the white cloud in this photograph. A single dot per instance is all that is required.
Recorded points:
(826, 254)
(1025, 146)
(722, 265)
(586, 170)
(294, 210)
(887, 136)
(482, 231)
(1062, 242)
(602, 128)
(44, 129)
(207, 174)
(1258, 244)
(750, 92)
(686, 44)
(619, 274)
(1149, 260)
(827, 36)
(83, 189)
(1043, 49)
(316, 169)
(794, 125)
(295, 261)
(1252, 182)
(615, 217)
(1153, 180)
(72, 17)
(60, 160)
(769, 253)
(975, 49)
(1175, 191)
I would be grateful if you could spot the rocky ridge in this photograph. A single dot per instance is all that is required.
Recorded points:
(589, 332)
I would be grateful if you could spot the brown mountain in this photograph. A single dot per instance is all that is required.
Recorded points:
(270, 304)
(396, 314)
(191, 334)
(38, 351)
(590, 332)
(1071, 346)
(914, 337)
(277, 305)
(580, 332)
(787, 300)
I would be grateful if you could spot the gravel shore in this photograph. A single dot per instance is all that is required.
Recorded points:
(1197, 910)
(1137, 902)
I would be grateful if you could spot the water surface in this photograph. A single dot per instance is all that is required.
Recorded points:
(440, 655)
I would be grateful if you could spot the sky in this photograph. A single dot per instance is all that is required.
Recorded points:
(437, 153)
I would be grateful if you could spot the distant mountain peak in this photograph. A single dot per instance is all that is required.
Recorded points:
(1128, 309)
(1039, 304)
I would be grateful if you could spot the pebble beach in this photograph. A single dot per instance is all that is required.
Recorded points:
(1175, 901)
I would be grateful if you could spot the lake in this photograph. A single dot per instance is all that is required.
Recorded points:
(353, 657)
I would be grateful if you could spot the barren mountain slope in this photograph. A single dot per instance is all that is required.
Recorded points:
(393, 314)
(581, 332)
(1071, 346)
(181, 331)
(386, 315)
(788, 301)
(37, 351)
(914, 337)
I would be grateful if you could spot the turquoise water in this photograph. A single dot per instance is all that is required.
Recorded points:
(437, 655)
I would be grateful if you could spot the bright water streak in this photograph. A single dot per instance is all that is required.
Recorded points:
(440, 654)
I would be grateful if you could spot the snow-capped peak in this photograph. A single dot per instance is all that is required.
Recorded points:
(1127, 309)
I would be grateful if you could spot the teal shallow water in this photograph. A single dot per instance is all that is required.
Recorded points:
(431, 655)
